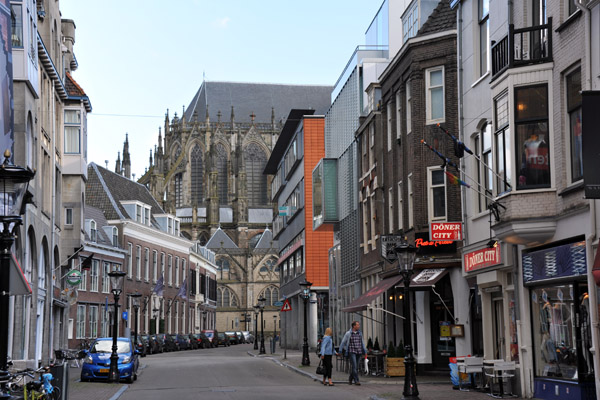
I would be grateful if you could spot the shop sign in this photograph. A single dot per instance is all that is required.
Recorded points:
(555, 262)
(74, 277)
(429, 247)
(445, 231)
(388, 244)
(482, 258)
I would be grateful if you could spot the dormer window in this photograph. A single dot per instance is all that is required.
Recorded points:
(93, 231)
(115, 237)
(170, 225)
(138, 213)
(176, 228)
(147, 216)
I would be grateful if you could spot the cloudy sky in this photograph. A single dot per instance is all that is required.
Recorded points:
(139, 58)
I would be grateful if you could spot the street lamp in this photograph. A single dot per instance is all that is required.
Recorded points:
(135, 299)
(261, 304)
(256, 308)
(305, 296)
(406, 259)
(275, 331)
(13, 186)
(116, 282)
(155, 314)
(204, 319)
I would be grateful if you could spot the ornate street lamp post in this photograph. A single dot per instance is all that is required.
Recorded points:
(204, 319)
(261, 304)
(135, 299)
(305, 296)
(116, 282)
(406, 258)
(256, 308)
(13, 186)
(275, 328)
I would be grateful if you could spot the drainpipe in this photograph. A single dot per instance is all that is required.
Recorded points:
(461, 128)
(50, 257)
(591, 237)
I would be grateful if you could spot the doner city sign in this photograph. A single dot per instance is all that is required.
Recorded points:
(445, 231)
(482, 258)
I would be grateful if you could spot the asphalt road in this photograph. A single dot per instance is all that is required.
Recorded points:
(228, 373)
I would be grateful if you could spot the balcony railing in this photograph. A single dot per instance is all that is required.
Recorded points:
(524, 46)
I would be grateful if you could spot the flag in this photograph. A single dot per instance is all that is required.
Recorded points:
(455, 181)
(160, 285)
(87, 262)
(183, 290)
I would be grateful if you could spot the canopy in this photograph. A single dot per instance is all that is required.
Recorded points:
(365, 299)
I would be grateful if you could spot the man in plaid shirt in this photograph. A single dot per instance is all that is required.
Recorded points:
(353, 345)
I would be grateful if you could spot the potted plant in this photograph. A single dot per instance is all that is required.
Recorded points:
(376, 345)
(369, 345)
(394, 362)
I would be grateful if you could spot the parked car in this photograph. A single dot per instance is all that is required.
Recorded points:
(97, 363)
(158, 342)
(233, 339)
(241, 337)
(139, 346)
(212, 336)
(194, 343)
(222, 339)
(248, 337)
(147, 343)
(206, 341)
(183, 341)
(200, 340)
(169, 342)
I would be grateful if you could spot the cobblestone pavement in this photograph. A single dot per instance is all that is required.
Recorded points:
(92, 390)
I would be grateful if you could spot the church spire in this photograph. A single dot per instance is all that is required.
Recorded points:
(150, 158)
(126, 158)
(118, 164)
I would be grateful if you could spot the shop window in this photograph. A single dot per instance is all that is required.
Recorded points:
(573, 83)
(502, 135)
(533, 141)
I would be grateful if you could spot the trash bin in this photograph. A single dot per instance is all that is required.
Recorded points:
(61, 379)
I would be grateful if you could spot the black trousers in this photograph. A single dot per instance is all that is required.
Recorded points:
(328, 366)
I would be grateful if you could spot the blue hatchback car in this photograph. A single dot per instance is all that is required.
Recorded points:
(97, 363)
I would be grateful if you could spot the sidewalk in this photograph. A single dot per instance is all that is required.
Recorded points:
(92, 390)
(431, 386)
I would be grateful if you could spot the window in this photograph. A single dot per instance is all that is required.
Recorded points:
(222, 171)
(130, 261)
(400, 205)
(72, 131)
(94, 270)
(410, 201)
(80, 333)
(484, 36)
(434, 80)
(93, 231)
(93, 333)
(391, 210)
(390, 111)
(178, 191)
(533, 146)
(437, 194)
(477, 146)
(398, 114)
(571, 7)
(115, 237)
(486, 151)
(138, 262)
(223, 268)
(184, 269)
(371, 145)
(197, 175)
(105, 277)
(162, 264)
(503, 155)
(408, 108)
(16, 19)
(146, 264)
(138, 213)
(83, 283)
(410, 23)
(68, 216)
(155, 265)
(256, 160)
(226, 298)
(573, 83)
(170, 270)
(147, 216)
(177, 271)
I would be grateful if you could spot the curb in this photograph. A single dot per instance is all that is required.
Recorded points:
(295, 369)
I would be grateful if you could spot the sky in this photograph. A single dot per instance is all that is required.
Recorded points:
(139, 58)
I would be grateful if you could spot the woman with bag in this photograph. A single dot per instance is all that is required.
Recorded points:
(327, 351)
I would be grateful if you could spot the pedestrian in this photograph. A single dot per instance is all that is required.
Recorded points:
(353, 345)
(327, 351)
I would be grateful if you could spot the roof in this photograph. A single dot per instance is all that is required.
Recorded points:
(266, 240)
(97, 215)
(442, 18)
(106, 190)
(285, 137)
(220, 239)
(76, 92)
(257, 98)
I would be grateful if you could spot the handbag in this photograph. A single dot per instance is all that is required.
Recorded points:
(321, 368)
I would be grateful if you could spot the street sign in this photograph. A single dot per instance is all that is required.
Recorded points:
(125, 315)
(388, 244)
(286, 306)
(278, 303)
(74, 277)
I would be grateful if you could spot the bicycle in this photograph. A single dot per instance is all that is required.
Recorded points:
(41, 389)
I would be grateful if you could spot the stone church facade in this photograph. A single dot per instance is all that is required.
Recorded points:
(207, 169)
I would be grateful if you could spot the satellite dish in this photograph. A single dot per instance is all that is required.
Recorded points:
(72, 296)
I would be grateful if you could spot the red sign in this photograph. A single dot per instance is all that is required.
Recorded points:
(286, 306)
(445, 231)
(482, 258)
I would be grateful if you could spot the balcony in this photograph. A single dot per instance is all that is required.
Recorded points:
(524, 46)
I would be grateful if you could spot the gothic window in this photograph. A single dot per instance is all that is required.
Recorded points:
(226, 298)
(254, 241)
(178, 192)
(223, 176)
(203, 239)
(197, 175)
(256, 160)
(271, 295)
(223, 268)
(176, 154)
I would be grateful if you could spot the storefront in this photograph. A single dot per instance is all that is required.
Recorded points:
(556, 278)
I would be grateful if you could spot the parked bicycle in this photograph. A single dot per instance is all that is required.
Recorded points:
(35, 389)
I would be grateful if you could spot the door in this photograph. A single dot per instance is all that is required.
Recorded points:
(498, 328)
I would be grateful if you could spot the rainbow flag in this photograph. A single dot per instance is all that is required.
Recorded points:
(455, 180)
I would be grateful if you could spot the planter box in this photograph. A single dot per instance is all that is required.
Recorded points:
(394, 366)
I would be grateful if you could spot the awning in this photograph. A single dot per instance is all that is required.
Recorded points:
(18, 283)
(428, 277)
(361, 303)
(596, 267)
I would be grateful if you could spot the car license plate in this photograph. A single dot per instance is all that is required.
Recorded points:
(103, 370)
